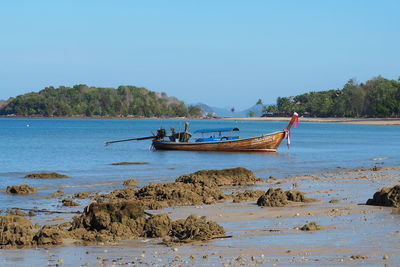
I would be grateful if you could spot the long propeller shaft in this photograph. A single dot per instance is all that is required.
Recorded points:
(131, 139)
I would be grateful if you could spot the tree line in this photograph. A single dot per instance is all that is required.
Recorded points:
(90, 101)
(378, 97)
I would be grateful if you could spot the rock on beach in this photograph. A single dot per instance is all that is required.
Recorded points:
(312, 226)
(201, 187)
(224, 177)
(389, 197)
(276, 197)
(15, 231)
(23, 189)
(46, 175)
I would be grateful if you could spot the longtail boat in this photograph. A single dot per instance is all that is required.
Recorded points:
(180, 141)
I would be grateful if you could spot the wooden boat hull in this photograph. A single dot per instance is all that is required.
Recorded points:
(262, 143)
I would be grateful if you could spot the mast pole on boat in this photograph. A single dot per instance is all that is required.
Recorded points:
(295, 118)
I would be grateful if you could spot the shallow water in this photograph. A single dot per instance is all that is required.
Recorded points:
(75, 147)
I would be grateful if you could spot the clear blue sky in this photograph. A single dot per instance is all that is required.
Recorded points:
(223, 53)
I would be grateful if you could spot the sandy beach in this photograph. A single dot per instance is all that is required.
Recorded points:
(353, 233)
(370, 121)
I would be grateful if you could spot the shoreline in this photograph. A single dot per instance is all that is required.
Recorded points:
(371, 121)
(262, 235)
(366, 121)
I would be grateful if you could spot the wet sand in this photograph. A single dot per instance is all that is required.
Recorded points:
(354, 234)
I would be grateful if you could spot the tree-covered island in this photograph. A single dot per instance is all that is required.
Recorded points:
(82, 100)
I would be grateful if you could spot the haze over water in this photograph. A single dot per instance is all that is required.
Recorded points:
(75, 147)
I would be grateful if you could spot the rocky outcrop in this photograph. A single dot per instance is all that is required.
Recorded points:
(225, 177)
(276, 197)
(23, 189)
(15, 231)
(389, 197)
(46, 175)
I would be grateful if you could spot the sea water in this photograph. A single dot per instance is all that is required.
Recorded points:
(75, 147)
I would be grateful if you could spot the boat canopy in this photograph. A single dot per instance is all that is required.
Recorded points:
(217, 130)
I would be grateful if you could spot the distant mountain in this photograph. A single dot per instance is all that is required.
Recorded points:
(225, 112)
(257, 109)
(219, 112)
(205, 109)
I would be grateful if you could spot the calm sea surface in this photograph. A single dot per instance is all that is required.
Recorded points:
(75, 147)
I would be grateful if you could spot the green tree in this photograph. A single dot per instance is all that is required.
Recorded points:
(194, 111)
(88, 101)
(378, 97)
(271, 108)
